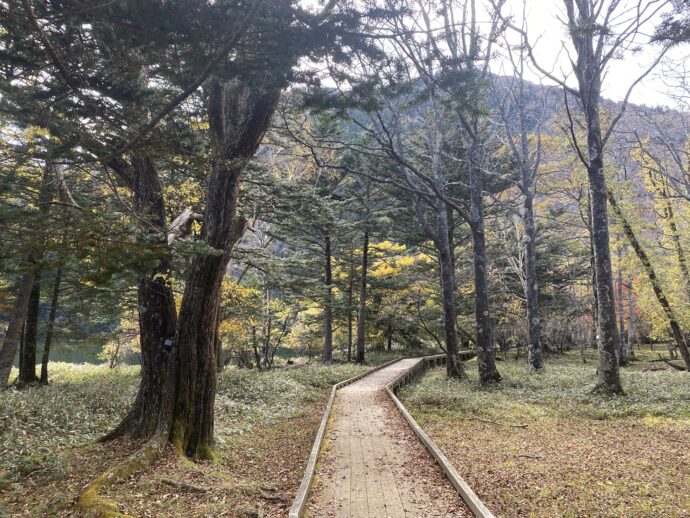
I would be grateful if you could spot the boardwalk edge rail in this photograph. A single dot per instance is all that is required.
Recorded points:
(299, 503)
(471, 499)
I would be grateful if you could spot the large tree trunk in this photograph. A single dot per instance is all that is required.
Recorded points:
(21, 346)
(27, 370)
(239, 114)
(653, 279)
(608, 372)
(454, 368)
(151, 411)
(534, 356)
(595, 296)
(50, 330)
(218, 343)
(587, 68)
(486, 358)
(328, 305)
(362, 315)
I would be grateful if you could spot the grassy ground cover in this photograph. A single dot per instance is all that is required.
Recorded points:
(265, 426)
(542, 445)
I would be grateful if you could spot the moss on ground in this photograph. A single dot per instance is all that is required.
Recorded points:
(579, 454)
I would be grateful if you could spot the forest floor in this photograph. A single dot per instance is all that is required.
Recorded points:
(265, 427)
(541, 445)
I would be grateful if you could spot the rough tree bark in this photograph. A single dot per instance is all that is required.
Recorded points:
(362, 314)
(239, 114)
(622, 356)
(454, 368)
(587, 67)
(486, 357)
(13, 334)
(21, 346)
(27, 370)
(151, 410)
(220, 362)
(328, 303)
(534, 354)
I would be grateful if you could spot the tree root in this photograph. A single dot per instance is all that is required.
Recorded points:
(94, 505)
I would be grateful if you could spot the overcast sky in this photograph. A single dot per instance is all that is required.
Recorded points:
(548, 34)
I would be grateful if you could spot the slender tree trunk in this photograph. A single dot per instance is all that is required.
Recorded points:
(631, 322)
(534, 356)
(350, 290)
(27, 371)
(255, 346)
(486, 358)
(267, 328)
(661, 187)
(454, 367)
(361, 318)
(50, 330)
(653, 279)
(622, 356)
(328, 306)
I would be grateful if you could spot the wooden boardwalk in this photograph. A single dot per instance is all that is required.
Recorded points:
(372, 465)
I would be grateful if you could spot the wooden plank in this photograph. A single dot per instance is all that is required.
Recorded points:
(471, 499)
(299, 503)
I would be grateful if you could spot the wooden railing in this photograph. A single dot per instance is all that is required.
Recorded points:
(468, 495)
(426, 363)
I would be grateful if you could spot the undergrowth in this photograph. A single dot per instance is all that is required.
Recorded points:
(542, 445)
(47, 433)
(562, 389)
